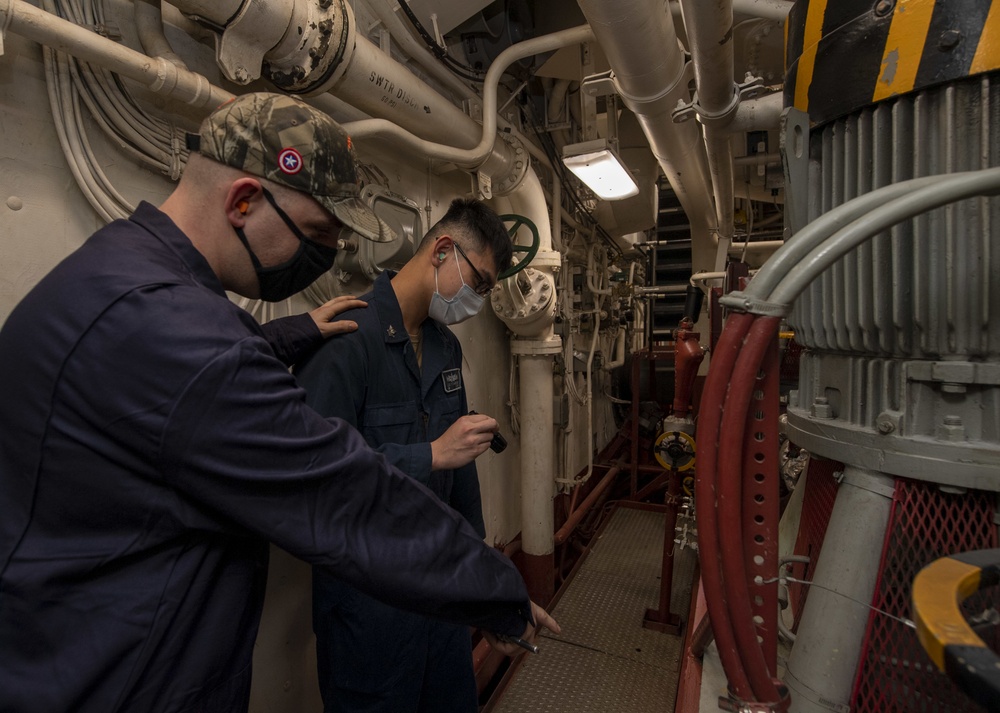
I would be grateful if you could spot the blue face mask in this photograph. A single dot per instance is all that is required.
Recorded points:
(311, 260)
(466, 303)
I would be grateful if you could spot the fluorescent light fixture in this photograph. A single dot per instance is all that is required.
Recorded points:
(594, 163)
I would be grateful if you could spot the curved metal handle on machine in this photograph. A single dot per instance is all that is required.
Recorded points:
(952, 645)
(530, 250)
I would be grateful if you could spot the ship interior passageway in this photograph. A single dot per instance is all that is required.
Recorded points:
(606, 660)
(743, 366)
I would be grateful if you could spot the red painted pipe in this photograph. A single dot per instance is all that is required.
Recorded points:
(688, 356)
(563, 533)
(709, 421)
(730, 505)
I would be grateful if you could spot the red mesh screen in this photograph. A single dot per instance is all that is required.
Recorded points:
(894, 673)
(817, 505)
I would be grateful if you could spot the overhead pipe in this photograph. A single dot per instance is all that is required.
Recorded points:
(709, 29)
(776, 10)
(385, 10)
(316, 48)
(156, 74)
(760, 114)
(149, 26)
(456, 132)
(640, 41)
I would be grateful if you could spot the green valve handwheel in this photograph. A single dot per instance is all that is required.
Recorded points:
(952, 645)
(529, 251)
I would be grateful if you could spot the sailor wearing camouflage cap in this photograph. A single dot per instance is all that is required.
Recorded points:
(289, 143)
(166, 442)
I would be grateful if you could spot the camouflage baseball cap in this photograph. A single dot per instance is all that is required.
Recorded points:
(289, 142)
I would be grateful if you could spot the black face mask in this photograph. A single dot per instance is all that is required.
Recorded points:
(311, 260)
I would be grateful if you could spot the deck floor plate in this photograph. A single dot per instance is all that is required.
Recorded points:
(605, 661)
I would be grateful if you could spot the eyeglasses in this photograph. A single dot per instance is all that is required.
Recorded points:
(483, 286)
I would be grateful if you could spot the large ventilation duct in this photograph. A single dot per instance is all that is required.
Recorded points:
(640, 41)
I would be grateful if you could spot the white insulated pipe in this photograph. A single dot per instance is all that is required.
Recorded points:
(760, 114)
(149, 26)
(217, 12)
(824, 658)
(385, 10)
(640, 41)
(156, 74)
(776, 10)
(536, 355)
(765, 9)
(454, 142)
(537, 454)
(382, 87)
(709, 28)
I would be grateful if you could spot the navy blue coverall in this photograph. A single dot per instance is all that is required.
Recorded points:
(373, 657)
(151, 443)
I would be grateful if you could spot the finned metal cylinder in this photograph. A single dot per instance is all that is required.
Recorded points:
(901, 371)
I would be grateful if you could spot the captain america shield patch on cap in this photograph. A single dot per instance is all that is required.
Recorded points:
(290, 161)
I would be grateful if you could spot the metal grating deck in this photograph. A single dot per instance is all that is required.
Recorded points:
(604, 661)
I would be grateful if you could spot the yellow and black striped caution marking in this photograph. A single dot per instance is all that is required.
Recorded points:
(943, 632)
(841, 55)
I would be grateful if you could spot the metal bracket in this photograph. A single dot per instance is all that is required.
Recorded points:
(485, 185)
(600, 84)
(793, 144)
(240, 49)
(739, 301)
(751, 88)
(728, 704)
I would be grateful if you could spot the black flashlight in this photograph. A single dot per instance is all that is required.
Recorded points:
(498, 443)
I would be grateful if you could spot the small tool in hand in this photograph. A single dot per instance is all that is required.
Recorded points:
(498, 443)
(518, 642)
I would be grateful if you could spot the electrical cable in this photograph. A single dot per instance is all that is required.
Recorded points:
(816, 232)
(440, 52)
(947, 189)
(727, 398)
(74, 84)
(782, 580)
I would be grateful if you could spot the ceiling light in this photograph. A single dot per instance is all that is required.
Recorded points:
(594, 163)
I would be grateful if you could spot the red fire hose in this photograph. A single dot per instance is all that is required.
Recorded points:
(710, 417)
